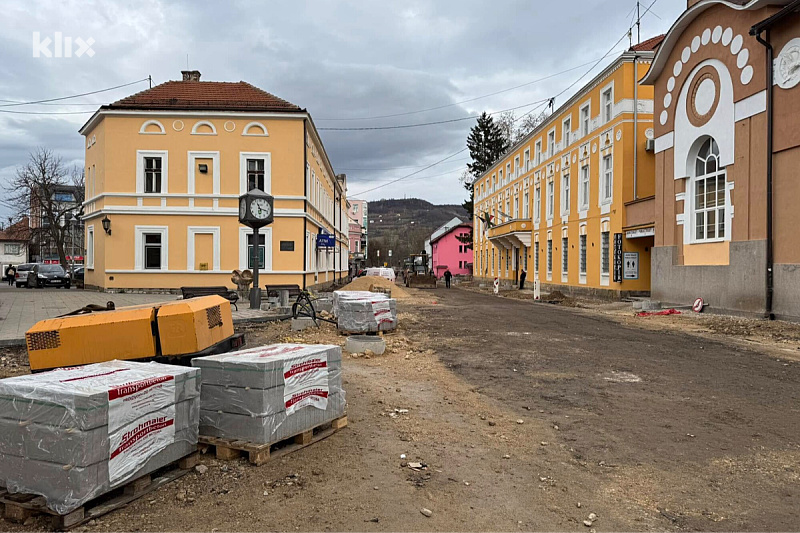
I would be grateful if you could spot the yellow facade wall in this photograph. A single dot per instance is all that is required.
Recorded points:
(596, 219)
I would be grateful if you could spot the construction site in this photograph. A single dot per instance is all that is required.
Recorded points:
(470, 411)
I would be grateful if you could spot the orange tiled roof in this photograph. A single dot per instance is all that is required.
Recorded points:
(205, 95)
(18, 232)
(649, 44)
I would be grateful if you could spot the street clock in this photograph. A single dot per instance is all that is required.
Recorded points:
(256, 208)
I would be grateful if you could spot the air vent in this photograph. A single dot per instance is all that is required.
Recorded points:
(214, 316)
(43, 340)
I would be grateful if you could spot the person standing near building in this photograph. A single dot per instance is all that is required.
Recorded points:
(11, 273)
(522, 275)
(447, 276)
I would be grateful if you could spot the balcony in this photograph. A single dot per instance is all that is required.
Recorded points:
(513, 233)
(640, 216)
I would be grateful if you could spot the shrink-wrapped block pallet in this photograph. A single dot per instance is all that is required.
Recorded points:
(73, 434)
(364, 312)
(267, 394)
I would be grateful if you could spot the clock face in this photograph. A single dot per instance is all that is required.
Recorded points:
(260, 208)
(242, 208)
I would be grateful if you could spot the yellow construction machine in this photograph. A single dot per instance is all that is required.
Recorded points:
(168, 332)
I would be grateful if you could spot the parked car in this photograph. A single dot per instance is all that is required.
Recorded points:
(21, 277)
(382, 272)
(77, 277)
(48, 276)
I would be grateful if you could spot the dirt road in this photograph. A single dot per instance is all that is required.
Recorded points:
(529, 416)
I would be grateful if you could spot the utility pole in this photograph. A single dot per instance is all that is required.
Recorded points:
(638, 25)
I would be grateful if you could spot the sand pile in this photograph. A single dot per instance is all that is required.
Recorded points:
(364, 283)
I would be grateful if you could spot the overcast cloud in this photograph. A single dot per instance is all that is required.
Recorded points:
(339, 59)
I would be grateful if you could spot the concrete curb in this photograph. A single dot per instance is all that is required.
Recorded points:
(7, 343)
(261, 319)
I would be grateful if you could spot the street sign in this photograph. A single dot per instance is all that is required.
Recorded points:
(617, 257)
(326, 240)
(631, 267)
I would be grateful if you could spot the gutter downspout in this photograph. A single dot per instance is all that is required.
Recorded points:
(770, 265)
(635, 126)
(305, 201)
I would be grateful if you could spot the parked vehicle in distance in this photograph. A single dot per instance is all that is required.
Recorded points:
(21, 278)
(77, 277)
(382, 272)
(48, 276)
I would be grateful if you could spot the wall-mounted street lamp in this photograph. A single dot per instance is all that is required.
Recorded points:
(106, 224)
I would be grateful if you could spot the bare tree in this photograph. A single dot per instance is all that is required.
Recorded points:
(50, 195)
(530, 122)
(506, 122)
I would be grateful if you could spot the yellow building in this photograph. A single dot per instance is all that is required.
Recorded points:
(572, 203)
(165, 167)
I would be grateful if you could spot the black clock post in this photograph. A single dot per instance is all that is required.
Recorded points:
(256, 211)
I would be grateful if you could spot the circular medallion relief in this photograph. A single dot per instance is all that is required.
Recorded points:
(649, 133)
(594, 148)
(619, 134)
(787, 71)
(703, 96)
(229, 126)
(177, 125)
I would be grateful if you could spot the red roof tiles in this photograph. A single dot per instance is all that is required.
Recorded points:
(649, 44)
(205, 95)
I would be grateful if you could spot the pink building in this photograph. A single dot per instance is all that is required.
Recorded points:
(448, 253)
(358, 227)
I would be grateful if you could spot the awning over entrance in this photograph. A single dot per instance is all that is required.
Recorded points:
(512, 234)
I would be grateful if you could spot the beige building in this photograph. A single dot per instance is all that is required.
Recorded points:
(165, 168)
(727, 93)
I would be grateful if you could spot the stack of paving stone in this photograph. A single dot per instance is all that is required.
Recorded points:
(266, 394)
(364, 312)
(73, 434)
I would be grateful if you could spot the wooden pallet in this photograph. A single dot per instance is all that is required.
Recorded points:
(19, 507)
(258, 454)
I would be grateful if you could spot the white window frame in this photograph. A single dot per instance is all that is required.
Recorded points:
(204, 123)
(606, 180)
(690, 201)
(194, 155)
(191, 233)
(8, 248)
(517, 168)
(537, 203)
(607, 111)
(146, 123)
(259, 125)
(164, 155)
(583, 254)
(243, 233)
(565, 192)
(551, 197)
(585, 125)
(551, 143)
(90, 247)
(548, 251)
(243, 157)
(566, 132)
(138, 261)
(538, 151)
(606, 276)
(526, 199)
(564, 257)
(584, 193)
(526, 157)
(536, 257)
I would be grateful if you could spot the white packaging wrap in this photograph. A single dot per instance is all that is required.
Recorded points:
(75, 433)
(364, 312)
(269, 393)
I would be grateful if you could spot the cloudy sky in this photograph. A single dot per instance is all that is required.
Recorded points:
(350, 63)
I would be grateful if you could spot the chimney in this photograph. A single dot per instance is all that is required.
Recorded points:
(191, 75)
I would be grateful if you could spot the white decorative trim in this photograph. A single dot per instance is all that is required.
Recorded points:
(139, 231)
(680, 197)
(243, 233)
(664, 142)
(204, 123)
(193, 231)
(140, 155)
(229, 126)
(143, 128)
(90, 248)
(246, 130)
(177, 125)
(750, 106)
(243, 157)
(214, 156)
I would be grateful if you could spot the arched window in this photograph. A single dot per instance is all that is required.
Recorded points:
(710, 199)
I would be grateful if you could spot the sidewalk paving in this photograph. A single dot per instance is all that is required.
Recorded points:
(22, 308)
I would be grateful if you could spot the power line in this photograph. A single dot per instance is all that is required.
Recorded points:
(462, 101)
(47, 112)
(391, 168)
(74, 95)
(421, 124)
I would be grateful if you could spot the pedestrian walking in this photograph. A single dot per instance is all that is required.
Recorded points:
(11, 273)
(447, 276)
(522, 275)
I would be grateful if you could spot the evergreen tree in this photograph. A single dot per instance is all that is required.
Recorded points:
(486, 143)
